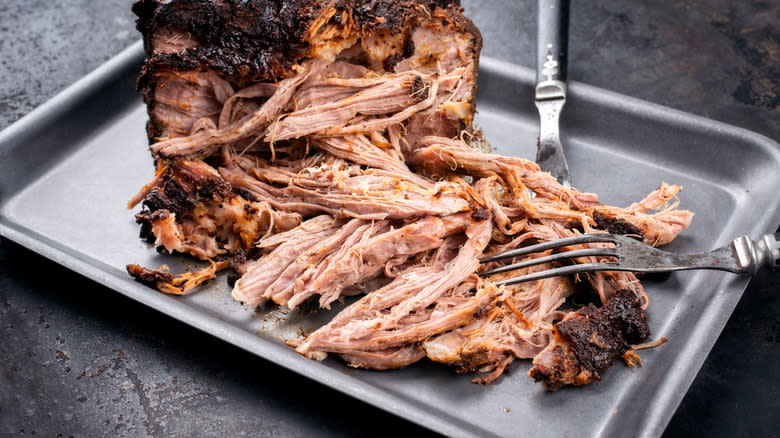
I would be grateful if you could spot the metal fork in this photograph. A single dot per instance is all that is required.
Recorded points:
(743, 255)
(551, 66)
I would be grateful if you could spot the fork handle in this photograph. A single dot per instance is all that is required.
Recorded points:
(552, 41)
(754, 255)
(770, 246)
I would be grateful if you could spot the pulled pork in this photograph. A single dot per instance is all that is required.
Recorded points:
(315, 150)
(586, 342)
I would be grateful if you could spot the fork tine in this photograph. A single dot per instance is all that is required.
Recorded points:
(587, 252)
(552, 244)
(562, 271)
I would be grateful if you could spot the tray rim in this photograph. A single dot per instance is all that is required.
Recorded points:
(444, 423)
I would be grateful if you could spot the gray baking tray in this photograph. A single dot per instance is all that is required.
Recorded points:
(69, 167)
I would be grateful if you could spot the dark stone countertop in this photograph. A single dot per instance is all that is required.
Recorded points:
(90, 362)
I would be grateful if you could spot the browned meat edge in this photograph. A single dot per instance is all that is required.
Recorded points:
(587, 342)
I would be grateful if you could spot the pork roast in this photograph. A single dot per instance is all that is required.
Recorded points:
(323, 149)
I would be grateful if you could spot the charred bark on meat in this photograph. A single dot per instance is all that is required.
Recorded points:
(587, 342)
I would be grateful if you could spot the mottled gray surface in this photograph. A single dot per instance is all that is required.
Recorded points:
(48, 45)
(77, 359)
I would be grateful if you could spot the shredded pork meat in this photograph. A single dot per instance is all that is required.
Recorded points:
(316, 150)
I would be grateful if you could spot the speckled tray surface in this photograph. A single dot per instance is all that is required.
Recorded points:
(69, 167)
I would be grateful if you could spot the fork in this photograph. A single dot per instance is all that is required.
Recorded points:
(743, 255)
(550, 96)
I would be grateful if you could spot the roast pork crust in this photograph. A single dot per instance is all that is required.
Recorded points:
(586, 342)
(246, 42)
(250, 41)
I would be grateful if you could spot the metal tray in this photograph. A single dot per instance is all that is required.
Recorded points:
(69, 167)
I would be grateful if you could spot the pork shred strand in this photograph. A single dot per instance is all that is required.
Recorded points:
(406, 311)
(319, 151)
